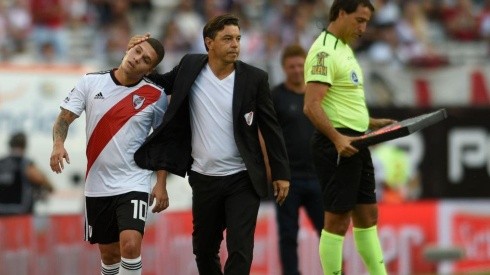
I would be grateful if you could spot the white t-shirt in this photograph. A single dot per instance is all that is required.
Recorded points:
(213, 142)
(118, 120)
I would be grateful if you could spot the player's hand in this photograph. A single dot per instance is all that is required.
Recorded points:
(281, 190)
(376, 123)
(57, 155)
(344, 147)
(135, 40)
(159, 195)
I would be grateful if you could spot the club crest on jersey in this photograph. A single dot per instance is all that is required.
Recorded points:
(138, 101)
(249, 118)
(354, 78)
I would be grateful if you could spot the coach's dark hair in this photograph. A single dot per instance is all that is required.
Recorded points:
(217, 24)
(293, 50)
(158, 47)
(349, 6)
(18, 140)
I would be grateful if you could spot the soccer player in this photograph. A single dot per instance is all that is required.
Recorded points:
(121, 107)
(335, 104)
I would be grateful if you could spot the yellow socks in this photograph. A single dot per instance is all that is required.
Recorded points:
(368, 246)
(330, 250)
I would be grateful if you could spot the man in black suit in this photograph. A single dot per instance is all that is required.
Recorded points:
(210, 132)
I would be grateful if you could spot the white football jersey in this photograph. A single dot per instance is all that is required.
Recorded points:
(118, 120)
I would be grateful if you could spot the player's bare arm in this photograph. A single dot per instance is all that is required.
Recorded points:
(159, 193)
(315, 92)
(60, 132)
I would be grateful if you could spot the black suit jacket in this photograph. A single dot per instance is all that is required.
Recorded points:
(169, 146)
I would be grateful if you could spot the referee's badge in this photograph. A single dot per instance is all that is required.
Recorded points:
(320, 68)
(354, 78)
(249, 118)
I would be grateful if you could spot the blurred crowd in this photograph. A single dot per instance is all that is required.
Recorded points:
(402, 32)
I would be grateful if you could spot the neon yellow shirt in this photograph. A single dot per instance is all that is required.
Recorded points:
(332, 62)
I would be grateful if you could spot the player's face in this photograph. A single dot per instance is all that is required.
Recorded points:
(226, 44)
(294, 69)
(140, 59)
(355, 23)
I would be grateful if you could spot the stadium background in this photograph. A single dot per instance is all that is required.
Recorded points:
(417, 56)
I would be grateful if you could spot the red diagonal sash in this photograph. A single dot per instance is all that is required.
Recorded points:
(116, 117)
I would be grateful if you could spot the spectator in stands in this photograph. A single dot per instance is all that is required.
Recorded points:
(484, 26)
(460, 21)
(189, 23)
(20, 23)
(384, 49)
(20, 179)
(48, 18)
(4, 36)
(175, 45)
(415, 45)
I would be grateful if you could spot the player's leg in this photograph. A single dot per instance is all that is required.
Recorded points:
(130, 246)
(365, 218)
(208, 221)
(287, 216)
(101, 228)
(132, 210)
(110, 258)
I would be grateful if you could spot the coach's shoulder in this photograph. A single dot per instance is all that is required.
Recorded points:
(242, 66)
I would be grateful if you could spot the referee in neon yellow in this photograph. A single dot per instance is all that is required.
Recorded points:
(335, 104)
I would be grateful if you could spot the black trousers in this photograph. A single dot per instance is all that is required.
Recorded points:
(219, 203)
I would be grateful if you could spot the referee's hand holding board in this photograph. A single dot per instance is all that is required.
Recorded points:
(400, 129)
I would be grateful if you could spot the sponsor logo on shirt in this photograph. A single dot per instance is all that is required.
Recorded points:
(99, 96)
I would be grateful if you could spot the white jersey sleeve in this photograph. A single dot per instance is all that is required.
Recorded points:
(159, 110)
(76, 100)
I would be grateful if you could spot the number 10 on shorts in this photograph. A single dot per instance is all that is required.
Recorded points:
(140, 209)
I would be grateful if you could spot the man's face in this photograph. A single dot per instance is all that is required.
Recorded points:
(355, 24)
(140, 59)
(294, 69)
(226, 44)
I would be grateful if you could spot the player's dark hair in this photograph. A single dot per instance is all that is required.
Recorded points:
(349, 6)
(18, 140)
(158, 47)
(293, 50)
(217, 24)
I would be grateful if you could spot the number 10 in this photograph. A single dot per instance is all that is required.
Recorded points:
(139, 209)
